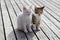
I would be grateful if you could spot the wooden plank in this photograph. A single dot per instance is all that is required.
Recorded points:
(56, 29)
(7, 24)
(50, 34)
(55, 21)
(18, 5)
(52, 27)
(11, 13)
(1, 26)
(52, 8)
(13, 4)
(53, 4)
(56, 1)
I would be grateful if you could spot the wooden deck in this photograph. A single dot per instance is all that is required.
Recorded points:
(50, 27)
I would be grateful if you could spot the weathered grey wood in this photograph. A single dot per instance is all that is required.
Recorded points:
(19, 4)
(14, 6)
(7, 23)
(57, 6)
(1, 27)
(50, 34)
(52, 27)
(53, 8)
(55, 21)
(49, 29)
(57, 1)
(56, 12)
(12, 14)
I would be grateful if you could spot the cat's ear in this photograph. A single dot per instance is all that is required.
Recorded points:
(42, 7)
(31, 7)
(24, 8)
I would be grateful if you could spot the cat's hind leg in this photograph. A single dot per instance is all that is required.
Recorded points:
(19, 27)
(25, 28)
(29, 28)
(37, 28)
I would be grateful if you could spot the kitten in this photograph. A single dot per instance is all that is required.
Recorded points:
(24, 20)
(36, 17)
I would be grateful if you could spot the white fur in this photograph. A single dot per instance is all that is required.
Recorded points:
(24, 20)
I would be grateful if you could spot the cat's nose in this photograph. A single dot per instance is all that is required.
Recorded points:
(39, 14)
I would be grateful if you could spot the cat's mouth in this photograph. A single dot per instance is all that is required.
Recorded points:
(39, 14)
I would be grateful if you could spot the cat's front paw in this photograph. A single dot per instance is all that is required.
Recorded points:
(25, 31)
(34, 28)
(30, 30)
(37, 29)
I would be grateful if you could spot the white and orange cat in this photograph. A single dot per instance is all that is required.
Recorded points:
(36, 17)
(24, 19)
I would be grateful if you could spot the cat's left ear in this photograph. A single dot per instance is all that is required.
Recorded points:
(24, 8)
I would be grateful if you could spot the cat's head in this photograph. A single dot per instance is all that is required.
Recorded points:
(27, 10)
(39, 10)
